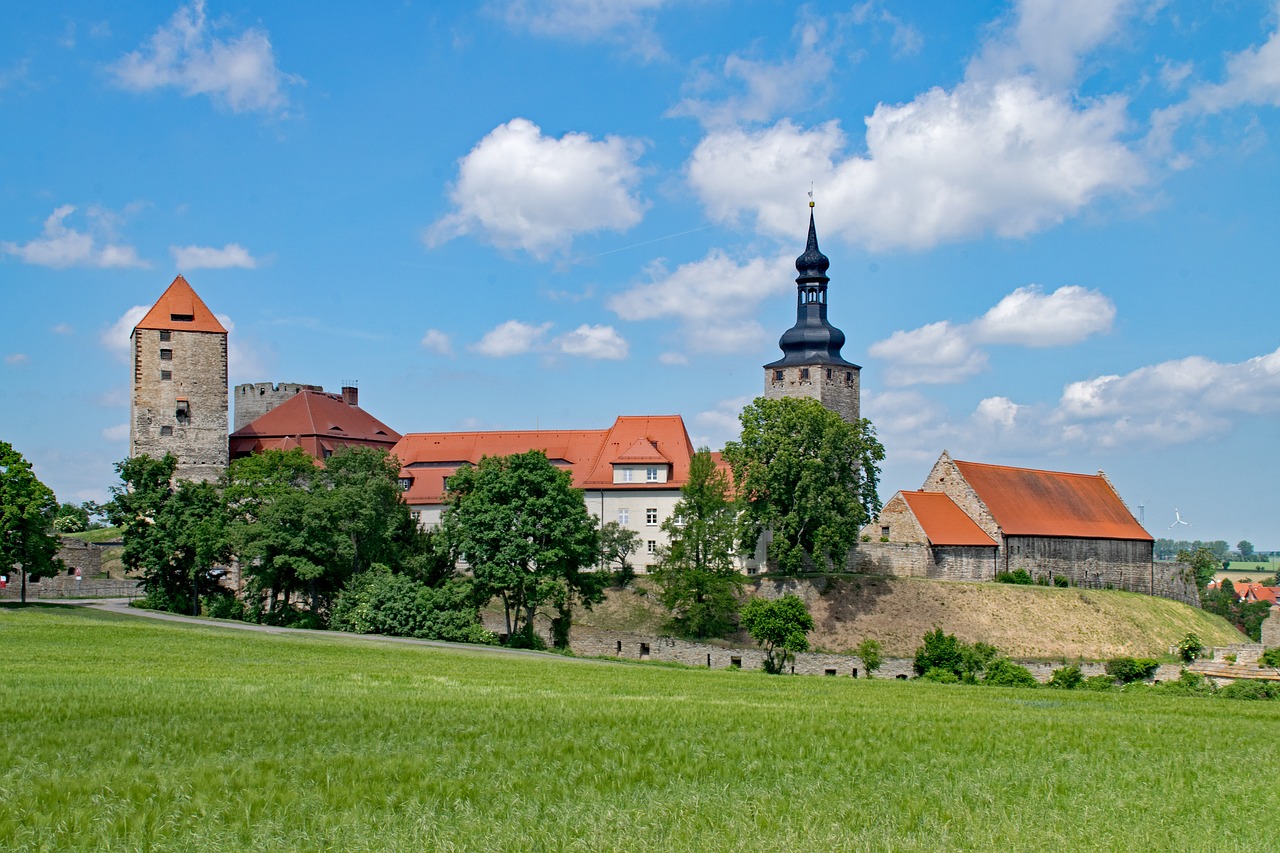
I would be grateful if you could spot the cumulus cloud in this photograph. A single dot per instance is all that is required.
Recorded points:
(946, 352)
(1031, 318)
(519, 189)
(239, 72)
(1007, 158)
(438, 342)
(905, 38)
(628, 22)
(593, 342)
(60, 246)
(768, 89)
(1047, 38)
(17, 358)
(209, 258)
(511, 338)
(720, 423)
(246, 362)
(938, 353)
(712, 298)
(116, 337)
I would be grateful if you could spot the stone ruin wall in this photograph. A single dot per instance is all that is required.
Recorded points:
(255, 399)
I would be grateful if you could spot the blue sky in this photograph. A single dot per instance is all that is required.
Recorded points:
(1051, 225)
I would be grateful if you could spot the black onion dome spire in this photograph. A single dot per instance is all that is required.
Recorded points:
(812, 340)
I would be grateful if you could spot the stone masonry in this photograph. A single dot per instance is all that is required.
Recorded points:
(255, 399)
(835, 387)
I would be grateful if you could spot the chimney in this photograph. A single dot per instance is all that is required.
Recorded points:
(351, 395)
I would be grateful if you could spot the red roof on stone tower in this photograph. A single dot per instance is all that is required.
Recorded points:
(179, 309)
(315, 421)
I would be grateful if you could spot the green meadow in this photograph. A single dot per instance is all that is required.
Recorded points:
(124, 733)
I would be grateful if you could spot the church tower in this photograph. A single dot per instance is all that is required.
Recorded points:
(179, 400)
(811, 364)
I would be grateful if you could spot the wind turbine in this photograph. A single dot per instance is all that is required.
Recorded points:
(1142, 513)
(1177, 519)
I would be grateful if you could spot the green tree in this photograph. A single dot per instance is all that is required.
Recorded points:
(1190, 648)
(943, 653)
(27, 511)
(697, 570)
(780, 626)
(524, 531)
(871, 654)
(71, 518)
(617, 544)
(174, 535)
(806, 475)
(1245, 547)
(1204, 563)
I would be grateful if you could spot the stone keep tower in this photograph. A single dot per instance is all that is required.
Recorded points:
(811, 364)
(179, 401)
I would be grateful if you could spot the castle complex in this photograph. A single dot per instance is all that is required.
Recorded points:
(970, 521)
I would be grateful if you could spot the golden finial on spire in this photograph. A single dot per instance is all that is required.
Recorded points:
(811, 194)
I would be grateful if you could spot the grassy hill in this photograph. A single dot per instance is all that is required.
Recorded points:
(1022, 621)
(123, 733)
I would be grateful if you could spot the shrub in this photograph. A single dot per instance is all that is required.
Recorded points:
(1018, 576)
(1003, 672)
(1066, 677)
(1189, 684)
(1127, 669)
(1271, 657)
(939, 651)
(940, 675)
(1043, 580)
(871, 654)
(224, 607)
(1245, 688)
(1060, 581)
(1190, 648)
(398, 606)
(1099, 682)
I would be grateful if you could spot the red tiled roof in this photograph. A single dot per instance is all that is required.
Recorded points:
(180, 301)
(944, 523)
(640, 452)
(315, 421)
(430, 457)
(1027, 502)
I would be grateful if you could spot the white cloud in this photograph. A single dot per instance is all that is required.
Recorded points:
(998, 411)
(770, 88)
(673, 359)
(1006, 158)
(60, 246)
(628, 22)
(116, 337)
(522, 190)
(17, 358)
(245, 362)
(62, 329)
(438, 342)
(593, 342)
(119, 432)
(1030, 318)
(511, 338)
(239, 72)
(1048, 38)
(905, 38)
(946, 352)
(937, 353)
(720, 423)
(188, 258)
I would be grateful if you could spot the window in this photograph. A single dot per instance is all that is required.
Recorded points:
(405, 483)
(183, 318)
(166, 355)
(627, 473)
(777, 376)
(884, 531)
(183, 412)
(166, 335)
(624, 516)
(416, 514)
(848, 376)
(166, 430)
(651, 517)
(804, 374)
(651, 474)
(828, 372)
(166, 375)
(651, 547)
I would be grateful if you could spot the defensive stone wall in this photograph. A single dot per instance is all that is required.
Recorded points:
(68, 586)
(919, 560)
(255, 399)
(1271, 629)
(85, 556)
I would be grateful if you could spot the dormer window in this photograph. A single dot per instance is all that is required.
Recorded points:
(182, 318)
(405, 483)
(651, 474)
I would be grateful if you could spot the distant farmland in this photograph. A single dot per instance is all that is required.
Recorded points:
(128, 734)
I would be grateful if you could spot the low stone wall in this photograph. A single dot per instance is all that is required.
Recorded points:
(65, 586)
(919, 560)
(1271, 629)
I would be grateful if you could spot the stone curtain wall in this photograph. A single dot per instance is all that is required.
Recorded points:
(255, 399)
(915, 560)
(84, 556)
(66, 586)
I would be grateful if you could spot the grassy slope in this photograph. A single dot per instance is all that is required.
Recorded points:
(144, 735)
(1032, 622)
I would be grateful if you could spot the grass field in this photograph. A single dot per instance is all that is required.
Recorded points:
(122, 733)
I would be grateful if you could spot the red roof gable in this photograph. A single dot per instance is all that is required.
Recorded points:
(943, 522)
(1027, 502)
(179, 309)
(587, 454)
(640, 452)
(324, 418)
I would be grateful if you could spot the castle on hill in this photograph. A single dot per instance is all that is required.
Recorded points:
(968, 521)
